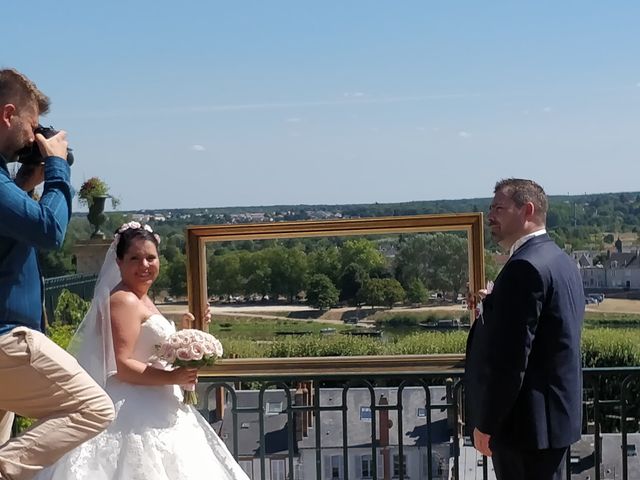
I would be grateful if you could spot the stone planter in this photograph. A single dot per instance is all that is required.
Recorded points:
(96, 215)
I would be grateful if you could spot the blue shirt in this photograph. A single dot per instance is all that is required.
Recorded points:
(25, 226)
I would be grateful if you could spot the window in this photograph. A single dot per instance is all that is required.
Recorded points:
(365, 414)
(396, 465)
(277, 469)
(422, 412)
(274, 408)
(366, 466)
(631, 450)
(336, 467)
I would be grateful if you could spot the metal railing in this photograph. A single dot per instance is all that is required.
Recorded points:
(383, 387)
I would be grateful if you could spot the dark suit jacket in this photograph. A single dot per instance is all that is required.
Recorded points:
(523, 379)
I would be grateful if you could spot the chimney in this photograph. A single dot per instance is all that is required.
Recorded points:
(306, 416)
(310, 400)
(219, 403)
(384, 427)
(300, 416)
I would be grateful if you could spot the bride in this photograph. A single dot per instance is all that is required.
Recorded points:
(154, 435)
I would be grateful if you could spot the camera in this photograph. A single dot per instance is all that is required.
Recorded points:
(31, 153)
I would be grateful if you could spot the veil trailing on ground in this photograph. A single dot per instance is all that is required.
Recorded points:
(92, 344)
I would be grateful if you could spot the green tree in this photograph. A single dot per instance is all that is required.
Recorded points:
(438, 260)
(491, 268)
(381, 291)
(224, 276)
(55, 263)
(351, 281)
(321, 292)
(363, 253)
(256, 273)
(70, 309)
(288, 268)
(177, 273)
(325, 261)
(161, 283)
(417, 293)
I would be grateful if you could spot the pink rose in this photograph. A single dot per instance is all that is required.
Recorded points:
(170, 356)
(196, 351)
(217, 347)
(183, 354)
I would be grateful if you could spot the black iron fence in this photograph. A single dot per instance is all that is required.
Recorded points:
(325, 423)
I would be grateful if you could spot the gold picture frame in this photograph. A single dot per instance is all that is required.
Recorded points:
(197, 238)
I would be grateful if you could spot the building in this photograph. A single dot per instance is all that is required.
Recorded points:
(416, 433)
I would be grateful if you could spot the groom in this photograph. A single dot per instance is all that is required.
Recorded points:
(37, 378)
(523, 380)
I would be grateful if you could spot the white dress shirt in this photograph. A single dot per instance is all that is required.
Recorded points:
(522, 240)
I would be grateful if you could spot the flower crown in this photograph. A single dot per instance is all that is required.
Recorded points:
(135, 226)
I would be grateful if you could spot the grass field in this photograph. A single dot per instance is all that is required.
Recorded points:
(261, 323)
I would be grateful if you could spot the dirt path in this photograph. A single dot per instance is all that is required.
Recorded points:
(335, 315)
(615, 305)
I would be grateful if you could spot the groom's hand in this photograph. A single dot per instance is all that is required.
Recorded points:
(481, 442)
(188, 318)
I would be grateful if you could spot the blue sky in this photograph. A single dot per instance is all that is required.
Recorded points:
(211, 103)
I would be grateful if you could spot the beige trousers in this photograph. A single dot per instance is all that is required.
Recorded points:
(6, 423)
(39, 379)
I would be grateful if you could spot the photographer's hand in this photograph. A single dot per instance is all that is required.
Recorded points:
(55, 146)
(29, 177)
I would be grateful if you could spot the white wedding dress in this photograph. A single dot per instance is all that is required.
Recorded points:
(154, 435)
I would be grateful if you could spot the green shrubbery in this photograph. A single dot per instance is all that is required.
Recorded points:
(325, 346)
(600, 347)
(605, 347)
(69, 312)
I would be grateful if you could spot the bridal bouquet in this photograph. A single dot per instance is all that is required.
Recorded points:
(193, 349)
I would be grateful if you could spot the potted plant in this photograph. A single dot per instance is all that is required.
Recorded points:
(93, 194)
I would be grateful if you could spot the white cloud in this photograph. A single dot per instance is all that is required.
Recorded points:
(353, 94)
(464, 134)
(293, 120)
(546, 109)
(198, 148)
(638, 84)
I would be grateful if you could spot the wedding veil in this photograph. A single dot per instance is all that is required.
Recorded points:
(92, 344)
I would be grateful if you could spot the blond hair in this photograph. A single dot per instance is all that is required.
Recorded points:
(17, 89)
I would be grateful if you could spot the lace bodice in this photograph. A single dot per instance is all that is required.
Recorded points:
(153, 333)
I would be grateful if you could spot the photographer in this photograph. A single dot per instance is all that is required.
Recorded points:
(37, 378)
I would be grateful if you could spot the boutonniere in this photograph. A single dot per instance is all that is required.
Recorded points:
(482, 294)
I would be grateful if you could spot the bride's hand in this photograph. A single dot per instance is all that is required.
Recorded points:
(185, 376)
